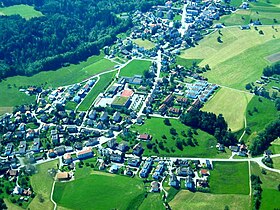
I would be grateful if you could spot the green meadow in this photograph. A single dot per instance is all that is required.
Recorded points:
(23, 10)
(240, 58)
(144, 43)
(135, 67)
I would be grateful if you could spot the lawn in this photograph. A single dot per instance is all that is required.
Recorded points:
(231, 104)
(153, 201)
(157, 128)
(259, 113)
(99, 87)
(230, 178)
(240, 58)
(270, 194)
(63, 76)
(144, 43)
(23, 10)
(205, 201)
(135, 67)
(262, 10)
(42, 184)
(187, 62)
(99, 191)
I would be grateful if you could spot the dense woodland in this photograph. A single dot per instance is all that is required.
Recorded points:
(70, 31)
(272, 70)
(210, 123)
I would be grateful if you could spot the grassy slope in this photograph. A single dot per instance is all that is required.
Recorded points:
(144, 43)
(265, 12)
(63, 76)
(96, 191)
(187, 62)
(270, 181)
(100, 86)
(239, 59)
(153, 201)
(222, 103)
(135, 67)
(266, 112)
(276, 163)
(157, 128)
(205, 201)
(42, 184)
(24, 11)
(230, 178)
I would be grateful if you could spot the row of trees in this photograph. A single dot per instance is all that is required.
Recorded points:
(210, 123)
(271, 70)
(69, 32)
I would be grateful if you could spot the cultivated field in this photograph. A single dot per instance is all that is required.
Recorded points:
(259, 113)
(230, 178)
(270, 194)
(23, 10)
(205, 201)
(99, 87)
(240, 58)
(144, 43)
(274, 57)
(99, 191)
(42, 184)
(135, 67)
(157, 128)
(63, 76)
(231, 104)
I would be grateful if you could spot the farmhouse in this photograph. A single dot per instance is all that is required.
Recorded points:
(62, 176)
(145, 137)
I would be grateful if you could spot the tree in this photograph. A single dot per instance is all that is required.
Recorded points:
(219, 39)
(248, 86)
(173, 131)
(278, 187)
(226, 207)
(167, 122)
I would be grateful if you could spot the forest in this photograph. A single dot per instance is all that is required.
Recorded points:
(70, 31)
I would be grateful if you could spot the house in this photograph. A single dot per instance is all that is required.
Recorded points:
(116, 158)
(62, 176)
(9, 149)
(174, 110)
(122, 147)
(12, 172)
(138, 149)
(78, 145)
(60, 150)
(72, 129)
(117, 117)
(204, 172)
(52, 154)
(22, 147)
(146, 168)
(134, 162)
(220, 147)
(154, 186)
(114, 169)
(77, 99)
(139, 120)
(145, 137)
(234, 148)
(67, 158)
(168, 99)
(190, 183)
(104, 117)
(36, 145)
(112, 143)
(92, 142)
(208, 164)
(92, 115)
(85, 154)
(173, 181)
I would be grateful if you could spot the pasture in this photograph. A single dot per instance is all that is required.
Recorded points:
(42, 184)
(64, 76)
(104, 191)
(240, 58)
(231, 104)
(23, 10)
(230, 178)
(259, 113)
(135, 67)
(153, 201)
(276, 162)
(270, 194)
(205, 201)
(99, 87)
(161, 133)
(144, 43)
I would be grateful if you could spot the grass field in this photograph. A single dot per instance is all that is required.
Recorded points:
(259, 113)
(276, 162)
(240, 59)
(231, 104)
(205, 201)
(262, 10)
(187, 62)
(135, 67)
(230, 178)
(153, 201)
(23, 10)
(99, 191)
(157, 128)
(144, 43)
(270, 194)
(63, 76)
(99, 87)
(42, 185)
(275, 146)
